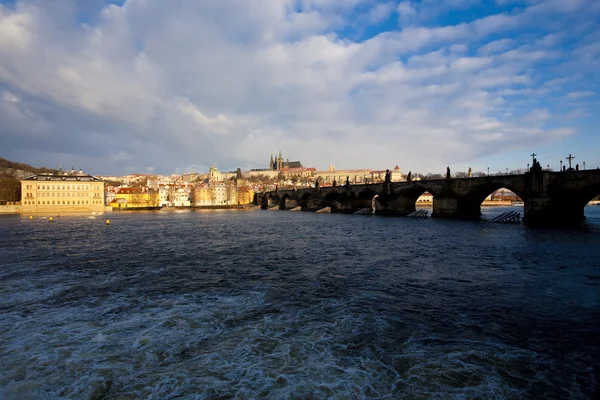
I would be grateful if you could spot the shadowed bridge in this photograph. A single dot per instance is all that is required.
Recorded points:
(550, 198)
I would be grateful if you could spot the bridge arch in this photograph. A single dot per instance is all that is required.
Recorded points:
(587, 194)
(330, 199)
(366, 199)
(289, 201)
(269, 200)
(574, 204)
(304, 199)
(406, 202)
(470, 204)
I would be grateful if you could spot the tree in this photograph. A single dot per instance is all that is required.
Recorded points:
(10, 186)
(431, 176)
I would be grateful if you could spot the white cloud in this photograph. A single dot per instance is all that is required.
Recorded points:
(406, 11)
(497, 46)
(10, 97)
(579, 95)
(380, 12)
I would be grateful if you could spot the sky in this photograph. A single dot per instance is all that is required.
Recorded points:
(172, 86)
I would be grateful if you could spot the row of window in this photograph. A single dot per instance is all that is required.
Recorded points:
(68, 194)
(53, 194)
(67, 202)
(62, 187)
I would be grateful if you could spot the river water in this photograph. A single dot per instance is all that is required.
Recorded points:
(260, 304)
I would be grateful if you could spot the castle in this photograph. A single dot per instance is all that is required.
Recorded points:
(277, 163)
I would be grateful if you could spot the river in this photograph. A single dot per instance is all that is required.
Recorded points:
(260, 304)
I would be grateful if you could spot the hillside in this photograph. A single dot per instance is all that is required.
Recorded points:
(10, 175)
(15, 166)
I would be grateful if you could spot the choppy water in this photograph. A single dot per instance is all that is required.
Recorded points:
(297, 305)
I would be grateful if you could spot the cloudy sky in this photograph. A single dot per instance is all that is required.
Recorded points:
(170, 86)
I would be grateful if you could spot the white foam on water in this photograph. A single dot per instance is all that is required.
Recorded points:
(237, 345)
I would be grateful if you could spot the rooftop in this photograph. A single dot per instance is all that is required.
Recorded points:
(62, 177)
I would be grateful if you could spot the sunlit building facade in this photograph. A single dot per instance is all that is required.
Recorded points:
(61, 193)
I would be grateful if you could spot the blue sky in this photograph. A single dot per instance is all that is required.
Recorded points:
(172, 86)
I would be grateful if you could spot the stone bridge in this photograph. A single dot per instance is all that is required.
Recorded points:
(550, 198)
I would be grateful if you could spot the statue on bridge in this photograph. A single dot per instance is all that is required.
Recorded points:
(448, 172)
(409, 177)
(317, 184)
(388, 176)
(334, 182)
(347, 180)
(536, 167)
(470, 173)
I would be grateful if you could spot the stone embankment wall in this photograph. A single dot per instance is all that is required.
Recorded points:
(12, 209)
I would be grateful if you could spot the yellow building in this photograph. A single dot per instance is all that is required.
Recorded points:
(62, 193)
(245, 195)
(135, 198)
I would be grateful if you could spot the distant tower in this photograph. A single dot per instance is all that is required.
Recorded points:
(271, 163)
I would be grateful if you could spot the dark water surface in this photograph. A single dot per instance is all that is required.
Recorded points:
(282, 305)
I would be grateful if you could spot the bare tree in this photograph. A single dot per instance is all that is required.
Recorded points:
(10, 186)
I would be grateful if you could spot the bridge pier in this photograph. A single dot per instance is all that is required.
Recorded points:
(445, 207)
(549, 212)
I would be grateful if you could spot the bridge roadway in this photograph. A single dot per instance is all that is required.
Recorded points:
(550, 198)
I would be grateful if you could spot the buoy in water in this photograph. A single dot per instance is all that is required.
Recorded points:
(30, 217)
(50, 218)
(108, 222)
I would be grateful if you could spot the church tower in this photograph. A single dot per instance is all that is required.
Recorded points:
(279, 161)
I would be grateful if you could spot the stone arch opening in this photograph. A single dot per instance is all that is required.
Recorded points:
(366, 199)
(330, 200)
(312, 201)
(496, 194)
(585, 199)
(289, 201)
(407, 201)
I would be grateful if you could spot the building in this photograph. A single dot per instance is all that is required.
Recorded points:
(180, 195)
(278, 164)
(221, 194)
(136, 198)
(110, 193)
(425, 198)
(340, 176)
(379, 175)
(62, 193)
(245, 195)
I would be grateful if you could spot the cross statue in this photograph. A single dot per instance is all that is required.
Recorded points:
(570, 158)
(533, 157)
